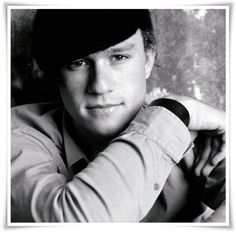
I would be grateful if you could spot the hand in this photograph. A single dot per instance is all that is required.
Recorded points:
(208, 152)
(202, 116)
(210, 215)
(218, 215)
(211, 122)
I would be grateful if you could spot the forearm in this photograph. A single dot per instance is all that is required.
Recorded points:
(117, 186)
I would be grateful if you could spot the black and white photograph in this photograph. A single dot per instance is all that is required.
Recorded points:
(118, 115)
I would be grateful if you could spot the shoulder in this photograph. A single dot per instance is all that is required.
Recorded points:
(34, 110)
(43, 120)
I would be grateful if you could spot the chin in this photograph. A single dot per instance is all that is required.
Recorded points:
(107, 132)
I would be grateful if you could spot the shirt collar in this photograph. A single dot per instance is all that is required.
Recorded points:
(73, 152)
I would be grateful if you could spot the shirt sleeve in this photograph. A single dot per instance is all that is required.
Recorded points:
(121, 184)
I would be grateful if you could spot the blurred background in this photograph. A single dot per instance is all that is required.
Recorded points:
(190, 61)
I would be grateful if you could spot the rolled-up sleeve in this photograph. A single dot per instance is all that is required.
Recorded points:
(121, 184)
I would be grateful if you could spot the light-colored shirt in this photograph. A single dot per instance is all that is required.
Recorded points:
(124, 183)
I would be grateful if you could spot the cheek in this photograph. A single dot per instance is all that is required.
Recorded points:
(73, 86)
(72, 92)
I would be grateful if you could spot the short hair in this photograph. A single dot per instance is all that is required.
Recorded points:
(57, 33)
(149, 40)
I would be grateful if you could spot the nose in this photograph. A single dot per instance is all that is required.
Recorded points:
(100, 81)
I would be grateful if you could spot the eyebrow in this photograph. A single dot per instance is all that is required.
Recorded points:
(121, 48)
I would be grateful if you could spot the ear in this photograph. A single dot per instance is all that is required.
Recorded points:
(150, 59)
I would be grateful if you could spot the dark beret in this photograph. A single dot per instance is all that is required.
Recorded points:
(62, 35)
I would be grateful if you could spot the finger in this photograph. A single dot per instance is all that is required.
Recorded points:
(203, 145)
(188, 161)
(215, 146)
(199, 144)
(220, 152)
(204, 157)
(209, 167)
(217, 155)
(223, 138)
(223, 142)
(193, 135)
(218, 158)
(223, 147)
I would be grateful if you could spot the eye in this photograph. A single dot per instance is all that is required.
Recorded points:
(119, 58)
(80, 63)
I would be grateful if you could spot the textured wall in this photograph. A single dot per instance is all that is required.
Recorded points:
(191, 57)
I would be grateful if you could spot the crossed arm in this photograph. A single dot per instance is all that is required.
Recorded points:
(93, 195)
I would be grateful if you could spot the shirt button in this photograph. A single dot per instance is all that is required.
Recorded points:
(156, 186)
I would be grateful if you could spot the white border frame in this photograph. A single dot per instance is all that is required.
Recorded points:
(227, 223)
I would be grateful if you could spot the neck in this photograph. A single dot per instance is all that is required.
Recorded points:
(91, 144)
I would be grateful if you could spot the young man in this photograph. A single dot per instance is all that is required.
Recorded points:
(101, 155)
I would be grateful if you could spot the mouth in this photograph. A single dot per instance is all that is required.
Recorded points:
(100, 106)
(102, 110)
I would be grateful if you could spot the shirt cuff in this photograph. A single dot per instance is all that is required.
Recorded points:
(164, 128)
(175, 107)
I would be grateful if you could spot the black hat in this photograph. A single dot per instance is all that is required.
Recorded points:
(62, 35)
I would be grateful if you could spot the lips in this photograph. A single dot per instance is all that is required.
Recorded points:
(98, 106)
(102, 110)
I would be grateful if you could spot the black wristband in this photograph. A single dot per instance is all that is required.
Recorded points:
(175, 107)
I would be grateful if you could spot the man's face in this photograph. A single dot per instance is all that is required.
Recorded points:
(103, 91)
